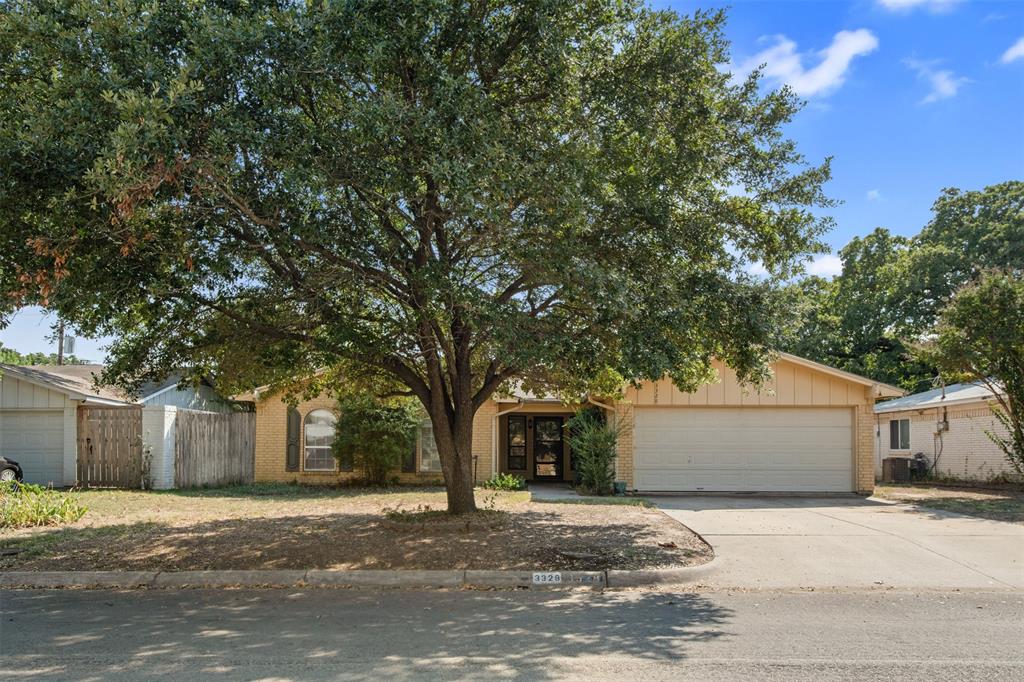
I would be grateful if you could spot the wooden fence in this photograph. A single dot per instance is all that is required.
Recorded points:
(213, 449)
(110, 446)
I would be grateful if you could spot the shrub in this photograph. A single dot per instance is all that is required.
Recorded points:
(23, 505)
(504, 482)
(593, 441)
(375, 435)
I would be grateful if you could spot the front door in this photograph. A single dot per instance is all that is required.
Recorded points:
(547, 448)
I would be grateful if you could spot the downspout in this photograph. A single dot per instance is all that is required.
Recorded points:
(494, 434)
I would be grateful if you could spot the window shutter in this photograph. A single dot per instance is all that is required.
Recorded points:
(294, 427)
(409, 461)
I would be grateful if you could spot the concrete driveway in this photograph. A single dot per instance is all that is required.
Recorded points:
(847, 542)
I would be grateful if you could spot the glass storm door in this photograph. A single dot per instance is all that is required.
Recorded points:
(547, 447)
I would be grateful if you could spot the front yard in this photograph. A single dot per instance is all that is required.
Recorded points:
(269, 526)
(998, 503)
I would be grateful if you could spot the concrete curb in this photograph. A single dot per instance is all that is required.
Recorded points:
(354, 579)
(666, 576)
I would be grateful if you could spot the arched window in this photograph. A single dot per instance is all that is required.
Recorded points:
(319, 437)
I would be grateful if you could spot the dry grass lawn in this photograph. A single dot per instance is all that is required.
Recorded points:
(1000, 504)
(269, 526)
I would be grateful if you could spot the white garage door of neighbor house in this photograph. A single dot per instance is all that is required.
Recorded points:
(34, 439)
(755, 449)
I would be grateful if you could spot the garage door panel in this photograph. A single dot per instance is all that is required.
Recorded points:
(737, 449)
(36, 441)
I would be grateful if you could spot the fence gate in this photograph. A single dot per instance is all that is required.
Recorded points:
(110, 446)
(213, 448)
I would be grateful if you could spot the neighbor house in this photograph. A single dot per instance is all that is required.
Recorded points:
(39, 411)
(948, 426)
(811, 428)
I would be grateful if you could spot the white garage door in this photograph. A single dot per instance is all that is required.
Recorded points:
(744, 449)
(34, 439)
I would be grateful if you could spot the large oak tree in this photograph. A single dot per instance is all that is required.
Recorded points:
(434, 198)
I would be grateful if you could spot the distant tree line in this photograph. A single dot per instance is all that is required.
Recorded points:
(9, 356)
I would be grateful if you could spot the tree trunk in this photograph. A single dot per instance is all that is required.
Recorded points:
(455, 449)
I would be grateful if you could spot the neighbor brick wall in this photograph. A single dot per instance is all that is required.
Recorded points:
(966, 453)
(272, 434)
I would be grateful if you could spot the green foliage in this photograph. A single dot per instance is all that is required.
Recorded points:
(374, 435)
(980, 337)
(423, 197)
(970, 232)
(869, 319)
(594, 441)
(23, 505)
(504, 482)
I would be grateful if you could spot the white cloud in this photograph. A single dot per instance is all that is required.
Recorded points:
(784, 64)
(825, 266)
(908, 5)
(943, 82)
(1014, 52)
(874, 195)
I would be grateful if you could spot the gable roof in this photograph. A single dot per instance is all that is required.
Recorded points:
(954, 394)
(78, 382)
(882, 390)
(517, 394)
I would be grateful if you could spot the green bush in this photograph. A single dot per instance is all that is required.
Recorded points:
(23, 505)
(594, 441)
(374, 435)
(504, 482)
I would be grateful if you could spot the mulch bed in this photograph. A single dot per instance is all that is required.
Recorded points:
(348, 529)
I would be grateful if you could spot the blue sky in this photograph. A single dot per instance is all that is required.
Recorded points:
(907, 96)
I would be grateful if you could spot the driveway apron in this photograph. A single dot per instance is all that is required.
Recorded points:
(849, 542)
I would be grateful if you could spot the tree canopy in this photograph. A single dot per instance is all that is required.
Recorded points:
(980, 338)
(428, 198)
(871, 317)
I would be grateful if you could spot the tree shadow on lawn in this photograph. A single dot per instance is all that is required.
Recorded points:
(292, 490)
(1006, 509)
(329, 633)
(530, 540)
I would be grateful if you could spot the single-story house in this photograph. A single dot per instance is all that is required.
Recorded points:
(810, 429)
(948, 425)
(39, 413)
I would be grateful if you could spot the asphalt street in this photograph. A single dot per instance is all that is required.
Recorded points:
(340, 634)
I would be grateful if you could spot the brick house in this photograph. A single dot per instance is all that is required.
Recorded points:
(810, 429)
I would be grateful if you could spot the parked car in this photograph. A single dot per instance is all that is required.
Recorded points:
(10, 470)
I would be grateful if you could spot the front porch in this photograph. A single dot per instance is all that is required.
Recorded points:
(533, 443)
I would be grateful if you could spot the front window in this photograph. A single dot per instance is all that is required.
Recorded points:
(319, 434)
(899, 434)
(430, 460)
(516, 438)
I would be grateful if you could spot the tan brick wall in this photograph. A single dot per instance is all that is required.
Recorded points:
(624, 462)
(864, 449)
(483, 446)
(272, 433)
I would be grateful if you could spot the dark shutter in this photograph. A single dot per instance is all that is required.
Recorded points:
(291, 461)
(409, 461)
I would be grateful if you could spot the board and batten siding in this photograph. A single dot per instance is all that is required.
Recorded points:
(19, 399)
(791, 385)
